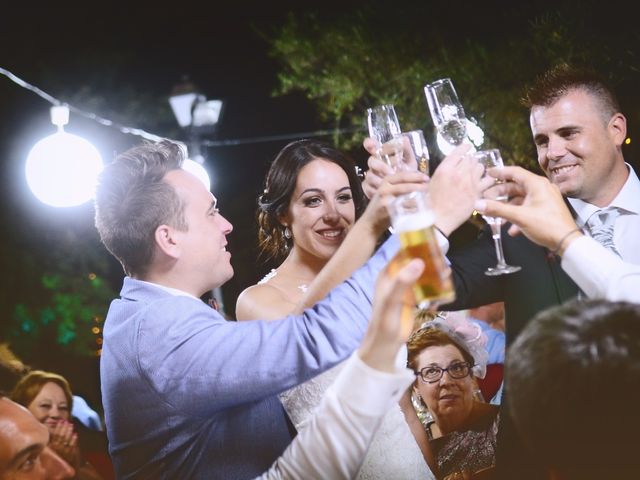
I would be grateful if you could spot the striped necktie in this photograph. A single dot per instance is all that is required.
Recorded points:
(600, 226)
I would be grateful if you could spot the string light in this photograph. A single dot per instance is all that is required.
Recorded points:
(55, 163)
(156, 138)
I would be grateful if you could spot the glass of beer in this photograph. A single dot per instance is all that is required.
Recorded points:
(413, 220)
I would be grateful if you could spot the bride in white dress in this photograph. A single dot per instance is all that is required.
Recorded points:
(311, 201)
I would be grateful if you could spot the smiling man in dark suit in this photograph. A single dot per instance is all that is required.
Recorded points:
(578, 130)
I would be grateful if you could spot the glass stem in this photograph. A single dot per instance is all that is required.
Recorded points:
(497, 240)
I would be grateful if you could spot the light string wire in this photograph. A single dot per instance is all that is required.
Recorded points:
(157, 138)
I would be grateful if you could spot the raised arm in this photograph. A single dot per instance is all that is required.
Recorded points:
(537, 209)
(455, 185)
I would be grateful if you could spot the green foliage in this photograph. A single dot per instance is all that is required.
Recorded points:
(74, 306)
(68, 294)
(350, 62)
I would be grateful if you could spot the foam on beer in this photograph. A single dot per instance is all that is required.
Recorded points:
(413, 222)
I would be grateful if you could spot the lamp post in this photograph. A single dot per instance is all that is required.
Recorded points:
(198, 117)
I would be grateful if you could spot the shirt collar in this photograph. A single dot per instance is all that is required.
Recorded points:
(627, 199)
(172, 291)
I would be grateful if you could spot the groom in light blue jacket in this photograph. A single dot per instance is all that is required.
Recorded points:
(186, 393)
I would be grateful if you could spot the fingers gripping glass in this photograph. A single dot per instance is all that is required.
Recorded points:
(384, 127)
(433, 373)
(447, 114)
(492, 159)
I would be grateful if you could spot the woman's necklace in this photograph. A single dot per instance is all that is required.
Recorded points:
(303, 287)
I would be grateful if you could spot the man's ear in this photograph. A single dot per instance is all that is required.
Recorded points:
(618, 128)
(166, 239)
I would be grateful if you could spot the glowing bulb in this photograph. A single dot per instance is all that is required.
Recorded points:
(62, 169)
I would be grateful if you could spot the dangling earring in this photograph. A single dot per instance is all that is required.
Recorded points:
(287, 233)
(422, 412)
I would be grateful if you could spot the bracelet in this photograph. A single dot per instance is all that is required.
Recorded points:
(564, 239)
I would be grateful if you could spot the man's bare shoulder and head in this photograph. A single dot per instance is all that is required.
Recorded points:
(161, 222)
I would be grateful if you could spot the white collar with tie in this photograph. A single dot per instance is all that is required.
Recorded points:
(626, 235)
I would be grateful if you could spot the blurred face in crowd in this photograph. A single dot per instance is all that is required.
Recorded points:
(448, 398)
(321, 210)
(23, 447)
(50, 405)
(578, 148)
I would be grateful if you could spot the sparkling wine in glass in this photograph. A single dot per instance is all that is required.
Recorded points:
(418, 149)
(493, 159)
(447, 114)
(384, 127)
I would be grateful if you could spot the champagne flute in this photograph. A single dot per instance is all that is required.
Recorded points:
(492, 159)
(447, 114)
(384, 127)
(418, 148)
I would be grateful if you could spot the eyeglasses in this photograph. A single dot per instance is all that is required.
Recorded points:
(433, 373)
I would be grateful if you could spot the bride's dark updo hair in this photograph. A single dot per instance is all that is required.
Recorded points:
(279, 186)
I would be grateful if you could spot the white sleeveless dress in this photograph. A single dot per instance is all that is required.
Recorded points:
(393, 453)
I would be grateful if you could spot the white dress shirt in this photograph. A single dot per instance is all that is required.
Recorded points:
(334, 443)
(600, 273)
(626, 233)
(596, 270)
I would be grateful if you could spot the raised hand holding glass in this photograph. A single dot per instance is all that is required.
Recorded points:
(493, 159)
(384, 127)
(413, 221)
(447, 114)
(418, 148)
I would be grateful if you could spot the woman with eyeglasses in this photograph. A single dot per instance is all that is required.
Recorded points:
(446, 355)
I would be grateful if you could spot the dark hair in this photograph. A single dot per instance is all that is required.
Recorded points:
(563, 78)
(426, 337)
(30, 385)
(132, 200)
(280, 183)
(573, 381)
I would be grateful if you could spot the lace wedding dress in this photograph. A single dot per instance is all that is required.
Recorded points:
(393, 453)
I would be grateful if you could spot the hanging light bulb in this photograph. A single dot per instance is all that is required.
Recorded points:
(62, 169)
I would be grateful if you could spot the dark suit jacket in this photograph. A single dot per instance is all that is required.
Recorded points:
(540, 284)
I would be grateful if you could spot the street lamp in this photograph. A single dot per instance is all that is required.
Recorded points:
(195, 114)
(198, 117)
